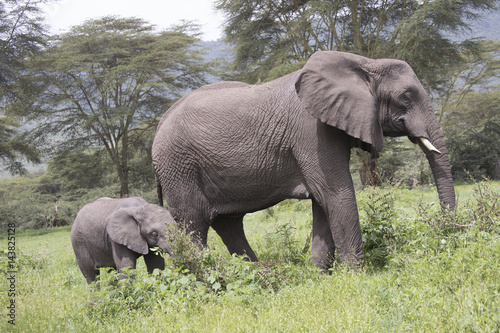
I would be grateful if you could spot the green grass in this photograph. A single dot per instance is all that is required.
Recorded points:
(423, 274)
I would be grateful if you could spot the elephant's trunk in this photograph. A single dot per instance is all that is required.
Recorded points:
(163, 245)
(440, 165)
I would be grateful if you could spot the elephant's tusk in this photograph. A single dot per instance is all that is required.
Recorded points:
(429, 145)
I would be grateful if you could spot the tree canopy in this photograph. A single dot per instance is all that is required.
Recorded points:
(22, 34)
(267, 34)
(106, 82)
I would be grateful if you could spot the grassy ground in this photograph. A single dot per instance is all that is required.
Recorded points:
(425, 272)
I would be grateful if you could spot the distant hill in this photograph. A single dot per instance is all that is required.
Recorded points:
(216, 49)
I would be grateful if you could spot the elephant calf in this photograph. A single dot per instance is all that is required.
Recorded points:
(116, 232)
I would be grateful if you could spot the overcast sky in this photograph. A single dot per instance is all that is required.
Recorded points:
(163, 13)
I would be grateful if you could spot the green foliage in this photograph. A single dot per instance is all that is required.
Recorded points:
(389, 234)
(21, 34)
(47, 200)
(287, 238)
(140, 292)
(480, 213)
(485, 209)
(14, 147)
(194, 277)
(284, 69)
(32, 203)
(471, 119)
(291, 248)
(475, 153)
(80, 170)
(378, 226)
(21, 262)
(469, 98)
(212, 268)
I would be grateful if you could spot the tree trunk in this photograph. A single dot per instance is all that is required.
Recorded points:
(123, 174)
(496, 172)
(123, 167)
(370, 175)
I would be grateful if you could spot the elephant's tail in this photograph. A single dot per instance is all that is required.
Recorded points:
(159, 192)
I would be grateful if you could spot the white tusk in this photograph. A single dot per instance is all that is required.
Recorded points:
(429, 145)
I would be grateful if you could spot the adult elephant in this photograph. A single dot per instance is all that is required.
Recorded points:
(231, 148)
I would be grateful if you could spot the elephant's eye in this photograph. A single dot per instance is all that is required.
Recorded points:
(406, 98)
(154, 234)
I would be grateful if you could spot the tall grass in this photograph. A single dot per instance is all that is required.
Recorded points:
(426, 271)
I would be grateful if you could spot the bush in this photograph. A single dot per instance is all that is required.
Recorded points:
(378, 225)
(192, 278)
(485, 208)
(481, 212)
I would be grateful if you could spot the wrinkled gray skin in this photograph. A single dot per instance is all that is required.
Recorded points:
(230, 148)
(116, 232)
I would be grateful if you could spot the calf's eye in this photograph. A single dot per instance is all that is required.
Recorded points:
(154, 234)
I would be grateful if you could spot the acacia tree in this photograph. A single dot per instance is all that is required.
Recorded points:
(267, 34)
(108, 76)
(21, 34)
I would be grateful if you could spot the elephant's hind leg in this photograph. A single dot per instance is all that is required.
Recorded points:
(85, 262)
(323, 246)
(230, 229)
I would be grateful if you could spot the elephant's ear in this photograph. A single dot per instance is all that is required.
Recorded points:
(337, 89)
(123, 228)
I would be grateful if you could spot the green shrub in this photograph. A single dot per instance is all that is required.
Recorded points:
(378, 225)
(192, 278)
(485, 207)
(481, 212)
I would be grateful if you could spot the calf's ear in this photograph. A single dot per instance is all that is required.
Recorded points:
(123, 228)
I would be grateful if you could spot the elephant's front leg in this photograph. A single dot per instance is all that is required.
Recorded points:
(342, 213)
(336, 226)
(124, 257)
